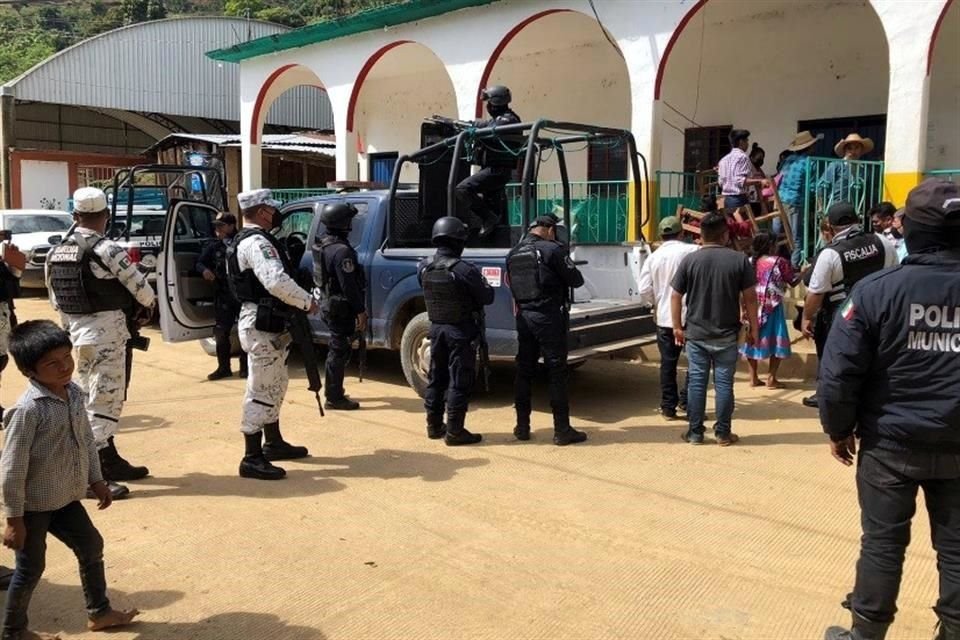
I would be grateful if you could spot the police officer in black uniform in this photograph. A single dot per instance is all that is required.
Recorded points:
(212, 265)
(340, 277)
(850, 256)
(455, 292)
(891, 377)
(479, 194)
(541, 276)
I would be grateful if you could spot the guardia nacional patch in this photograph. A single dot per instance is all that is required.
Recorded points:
(124, 263)
(269, 252)
(347, 265)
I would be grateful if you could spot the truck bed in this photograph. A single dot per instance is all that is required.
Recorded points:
(602, 326)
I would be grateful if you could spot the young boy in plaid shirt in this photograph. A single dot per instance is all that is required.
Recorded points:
(49, 461)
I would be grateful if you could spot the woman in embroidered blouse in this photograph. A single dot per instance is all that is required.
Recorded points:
(774, 275)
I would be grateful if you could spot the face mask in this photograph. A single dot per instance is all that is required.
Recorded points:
(276, 219)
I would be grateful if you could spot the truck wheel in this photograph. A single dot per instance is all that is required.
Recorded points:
(415, 353)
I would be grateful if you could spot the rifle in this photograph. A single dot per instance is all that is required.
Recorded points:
(299, 327)
(361, 339)
(136, 342)
(456, 124)
(484, 351)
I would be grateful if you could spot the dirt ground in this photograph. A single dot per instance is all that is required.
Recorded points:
(384, 534)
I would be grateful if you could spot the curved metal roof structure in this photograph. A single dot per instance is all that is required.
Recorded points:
(160, 67)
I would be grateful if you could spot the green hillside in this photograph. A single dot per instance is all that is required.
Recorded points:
(31, 30)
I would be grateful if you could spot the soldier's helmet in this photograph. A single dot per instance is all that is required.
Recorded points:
(449, 229)
(497, 95)
(338, 216)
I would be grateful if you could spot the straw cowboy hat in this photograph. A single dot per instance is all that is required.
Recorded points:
(803, 140)
(850, 139)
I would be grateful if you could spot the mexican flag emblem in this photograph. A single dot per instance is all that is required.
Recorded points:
(847, 310)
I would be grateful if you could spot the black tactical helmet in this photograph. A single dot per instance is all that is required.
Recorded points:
(449, 228)
(338, 216)
(497, 95)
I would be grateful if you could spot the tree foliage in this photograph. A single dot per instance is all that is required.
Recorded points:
(29, 33)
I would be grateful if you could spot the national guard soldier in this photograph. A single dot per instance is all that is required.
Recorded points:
(479, 193)
(891, 377)
(455, 293)
(262, 279)
(541, 276)
(851, 255)
(212, 265)
(340, 278)
(100, 294)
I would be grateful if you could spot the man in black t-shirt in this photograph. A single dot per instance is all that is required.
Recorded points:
(718, 283)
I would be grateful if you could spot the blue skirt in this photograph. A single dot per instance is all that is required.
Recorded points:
(774, 339)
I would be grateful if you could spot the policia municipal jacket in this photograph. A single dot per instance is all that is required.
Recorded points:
(454, 290)
(498, 152)
(541, 274)
(891, 367)
(340, 277)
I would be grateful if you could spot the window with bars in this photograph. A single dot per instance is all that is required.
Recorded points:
(704, 146)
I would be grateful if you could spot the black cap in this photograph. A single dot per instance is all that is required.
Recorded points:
(548, 220)
(225, 218)
(935, 203)
(842, 214)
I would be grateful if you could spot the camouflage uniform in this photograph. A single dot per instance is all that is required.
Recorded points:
(101, 338)
(267, 352)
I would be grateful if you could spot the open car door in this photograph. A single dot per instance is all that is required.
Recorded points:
(186, 299)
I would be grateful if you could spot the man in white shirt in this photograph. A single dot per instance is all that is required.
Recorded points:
(655, 276)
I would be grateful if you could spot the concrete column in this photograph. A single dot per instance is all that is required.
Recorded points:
(8, 140)
(644, 119)
(909, 96)
(347, 168)
(251, 176)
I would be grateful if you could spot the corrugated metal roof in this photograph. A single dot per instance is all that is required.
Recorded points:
(160, 67)
(377, 18)
(291, 142)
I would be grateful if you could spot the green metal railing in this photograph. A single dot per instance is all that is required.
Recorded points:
(953, 175)
(598, 209)
(831, 180)
(675, 188)
(289, 195)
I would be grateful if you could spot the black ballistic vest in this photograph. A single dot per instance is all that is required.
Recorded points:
(244, 284)
(523, 265)
(78, 291)
(447, 301)
(861, 254)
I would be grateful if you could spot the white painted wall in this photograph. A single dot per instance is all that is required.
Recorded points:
(943, 124)
(765, 72)
(44, 184)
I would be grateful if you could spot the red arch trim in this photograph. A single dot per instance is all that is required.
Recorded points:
(492, 61)
(661, 70)
(362, 76)
(261, 96)
(936, 32)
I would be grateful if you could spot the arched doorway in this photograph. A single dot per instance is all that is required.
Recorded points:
(293, 94)
(400, 85)
(770, 66)
(943, 123)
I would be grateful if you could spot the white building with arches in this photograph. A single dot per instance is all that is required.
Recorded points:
(678, 73)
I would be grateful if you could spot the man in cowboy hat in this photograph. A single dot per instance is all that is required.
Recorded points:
(842, 181)
(793, 187)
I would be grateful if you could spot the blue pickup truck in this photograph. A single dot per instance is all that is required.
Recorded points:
(391, 234)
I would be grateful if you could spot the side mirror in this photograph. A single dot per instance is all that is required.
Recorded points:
(55, 240)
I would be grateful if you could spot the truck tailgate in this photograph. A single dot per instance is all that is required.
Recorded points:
(603, 326)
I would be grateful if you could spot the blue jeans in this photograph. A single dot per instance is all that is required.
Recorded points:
(722, 356)
(72, 526)
(734, 201)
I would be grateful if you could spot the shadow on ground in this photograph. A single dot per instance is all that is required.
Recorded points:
(69, 617)
(387, 464)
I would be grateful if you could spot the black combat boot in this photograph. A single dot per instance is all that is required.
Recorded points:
(243, 365)
(223, 356)
(254, 464)
(115, 468)
(435, 427)
(117, 491)
(568, 436)
(522, 432)
(947, 631)
(276, 448)
(862, 629)
(343, 404)
(457, 435)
